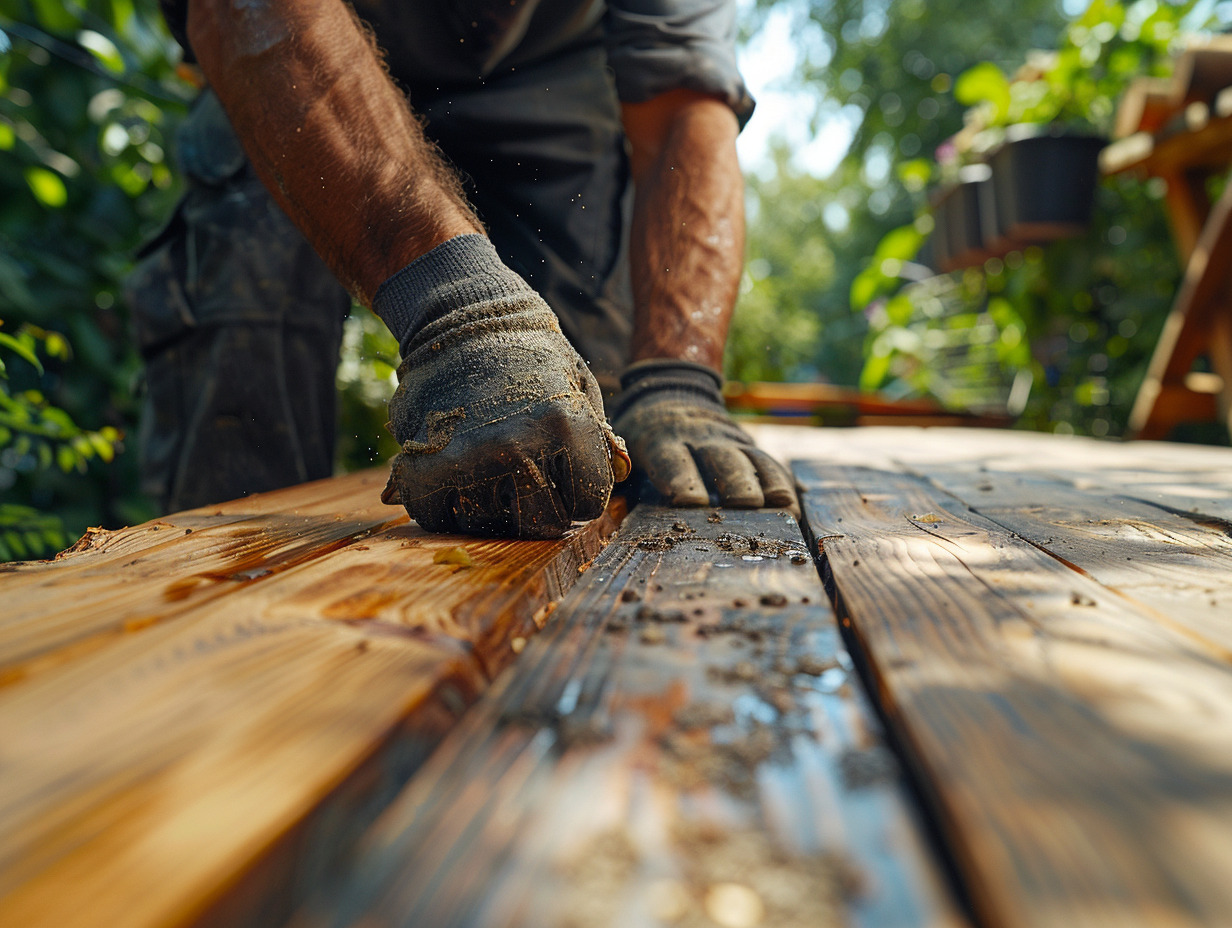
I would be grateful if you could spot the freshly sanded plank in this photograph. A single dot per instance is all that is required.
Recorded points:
(112, 583)
(210, 761)
(1077, 751)
(684, 745)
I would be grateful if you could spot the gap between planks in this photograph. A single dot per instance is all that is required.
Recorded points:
(1076, 745)
(208, 765)
(683, 741)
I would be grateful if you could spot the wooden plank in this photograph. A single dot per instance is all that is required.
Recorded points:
(810, 397)
(1202, 70)
(1077, 751)
(1176, 565)
(1189, 207)
(684, 745)
(1171, 151)
(1186, 478)
(1187, 331)
(125, 580)
(209, 768)
(1144, 107)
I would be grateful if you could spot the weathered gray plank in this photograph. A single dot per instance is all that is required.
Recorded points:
(1187, 478)
(683, 743)
(1176, 564)
(1078, 752)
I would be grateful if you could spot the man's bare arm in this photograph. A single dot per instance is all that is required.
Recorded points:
(329, 134)
(686, 255)
(687, 240)
(500, 422)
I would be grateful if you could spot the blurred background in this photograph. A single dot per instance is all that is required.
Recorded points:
(864, 105)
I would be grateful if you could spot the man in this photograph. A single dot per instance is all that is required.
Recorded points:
(547, 107)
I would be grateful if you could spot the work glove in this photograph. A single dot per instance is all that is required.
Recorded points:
(680, 436)
(500, 421)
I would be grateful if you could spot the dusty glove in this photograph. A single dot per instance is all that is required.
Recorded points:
(671, 413)
(500, 421)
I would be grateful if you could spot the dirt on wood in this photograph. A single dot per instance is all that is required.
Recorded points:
(714, 876)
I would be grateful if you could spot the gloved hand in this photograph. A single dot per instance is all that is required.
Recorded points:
(500, 421)
(679, 433)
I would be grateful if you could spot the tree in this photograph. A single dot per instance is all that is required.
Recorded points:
(1060, 335)
(89, 99)
(888, 68)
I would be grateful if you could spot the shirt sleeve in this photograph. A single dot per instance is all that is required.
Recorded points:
(654, 46)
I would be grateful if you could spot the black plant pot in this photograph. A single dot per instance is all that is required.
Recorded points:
(957, 212)
(1043, 185)
(937, 255)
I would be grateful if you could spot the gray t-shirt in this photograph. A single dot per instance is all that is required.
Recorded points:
(653, 46)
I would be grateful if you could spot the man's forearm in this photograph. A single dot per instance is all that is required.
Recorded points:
(687, 240)
(329, 134)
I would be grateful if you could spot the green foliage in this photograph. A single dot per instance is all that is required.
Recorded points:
(37, 438)
(26, 533)
(887, 69)
(1060, 335)
(89, 100)
(367, 377)
(1078, 84)
(775, 333)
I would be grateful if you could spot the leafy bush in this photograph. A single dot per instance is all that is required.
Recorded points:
(1058, 335)
(89, 100)
(36, 437)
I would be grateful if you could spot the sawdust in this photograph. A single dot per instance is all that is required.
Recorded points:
(862, 769)
(453, 555)
(729, 878)
(652, 635)
(735, 543)
(692, 759)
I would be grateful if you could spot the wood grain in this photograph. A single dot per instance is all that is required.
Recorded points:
(124, 580)
(1195, 479)
(1176, 565)
(687, 725)
(207, 763)
(1077, 750)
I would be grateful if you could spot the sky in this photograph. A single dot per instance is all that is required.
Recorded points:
(767, 64)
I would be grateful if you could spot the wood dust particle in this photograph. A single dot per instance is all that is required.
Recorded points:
(456, 555)
(734, 906)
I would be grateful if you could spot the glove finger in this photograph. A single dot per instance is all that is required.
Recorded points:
(525, 504)
(516, 501)
(776, 484)
(580, 470)
(583, 483)
(671, 470)
(433, 511)
(731, 474)
(436, 511)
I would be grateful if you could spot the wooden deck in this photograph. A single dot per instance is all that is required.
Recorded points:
(986, 682)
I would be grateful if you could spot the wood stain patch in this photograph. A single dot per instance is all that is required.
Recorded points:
(205, 755)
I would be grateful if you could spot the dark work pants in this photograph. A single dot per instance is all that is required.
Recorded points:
(240, 322)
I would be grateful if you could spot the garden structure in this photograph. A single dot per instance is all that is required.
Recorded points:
(1180, 130)
(984, 678)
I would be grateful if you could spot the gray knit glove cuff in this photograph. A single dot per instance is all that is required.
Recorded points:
(462, 272)
(682, 379)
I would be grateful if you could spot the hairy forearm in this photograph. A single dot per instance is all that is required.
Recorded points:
(328, 133)
(687, 239)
